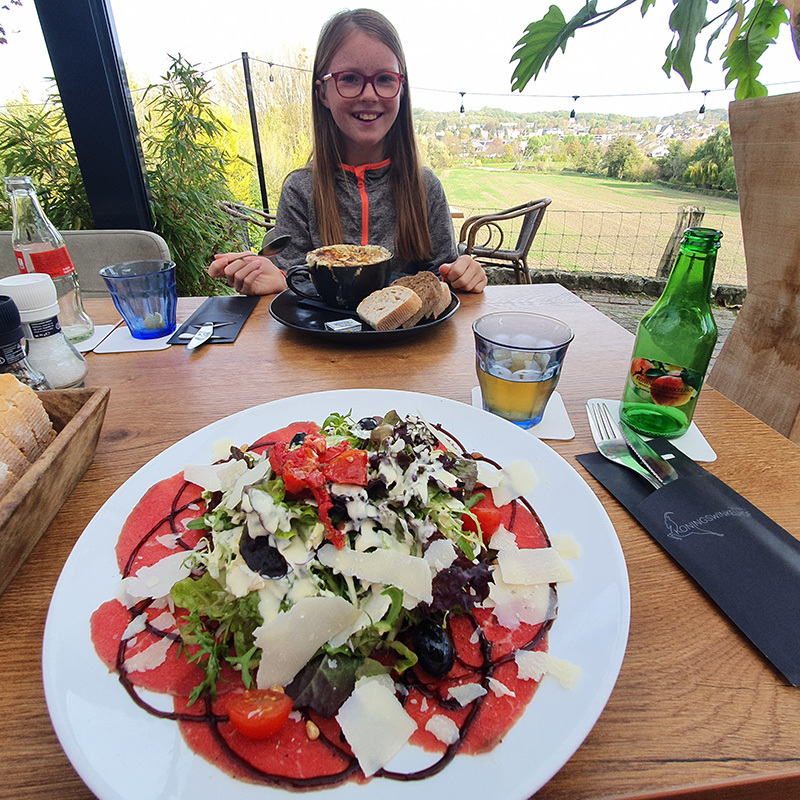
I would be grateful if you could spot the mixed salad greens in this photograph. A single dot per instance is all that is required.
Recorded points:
(345, 512)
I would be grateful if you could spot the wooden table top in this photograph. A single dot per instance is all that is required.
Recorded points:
(696, 711)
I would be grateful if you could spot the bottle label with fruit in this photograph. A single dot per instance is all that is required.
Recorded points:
(664, 384)
(55, 263)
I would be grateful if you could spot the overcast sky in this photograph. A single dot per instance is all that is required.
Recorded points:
(612, 67)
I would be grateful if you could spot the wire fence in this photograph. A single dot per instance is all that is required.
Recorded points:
(621, 242)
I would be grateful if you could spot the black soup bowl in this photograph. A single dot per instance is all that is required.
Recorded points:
(342, 275)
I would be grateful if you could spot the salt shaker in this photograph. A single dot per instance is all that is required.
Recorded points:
(12, 355)
(49, 350)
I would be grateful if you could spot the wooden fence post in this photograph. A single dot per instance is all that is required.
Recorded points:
(688, 217)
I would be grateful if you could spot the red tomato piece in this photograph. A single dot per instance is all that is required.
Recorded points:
(258, 713)
(332, 452)
(316, 442)
(348, 467)
(488, 515)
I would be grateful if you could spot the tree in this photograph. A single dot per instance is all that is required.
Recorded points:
(752, 25)
(711, 160)
(622, 158)
(674, 164)
(186, 168)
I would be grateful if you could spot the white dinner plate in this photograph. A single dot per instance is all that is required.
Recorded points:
(124, 753)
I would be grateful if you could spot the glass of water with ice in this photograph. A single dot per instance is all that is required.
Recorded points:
(518, 357)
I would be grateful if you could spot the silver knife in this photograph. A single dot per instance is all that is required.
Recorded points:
(651, 460)
(203, 334)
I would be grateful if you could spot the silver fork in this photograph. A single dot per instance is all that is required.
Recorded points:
(610, 441)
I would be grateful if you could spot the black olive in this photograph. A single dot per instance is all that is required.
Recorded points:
(298, 439)
(433, 648)
(261, 556)
(368, 423)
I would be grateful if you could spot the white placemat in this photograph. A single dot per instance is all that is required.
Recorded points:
(555, 423)
(100, 333)
(121, 341)
(692, 443)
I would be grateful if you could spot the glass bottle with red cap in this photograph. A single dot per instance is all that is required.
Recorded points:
(39, 247)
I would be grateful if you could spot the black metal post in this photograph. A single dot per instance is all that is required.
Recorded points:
(254, 125)
(87, 63)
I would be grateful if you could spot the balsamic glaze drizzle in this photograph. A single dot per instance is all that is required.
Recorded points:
(409, 679)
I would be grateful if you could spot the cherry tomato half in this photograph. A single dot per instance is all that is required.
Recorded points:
(258, 713)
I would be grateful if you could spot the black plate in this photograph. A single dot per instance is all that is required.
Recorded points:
(308, 316)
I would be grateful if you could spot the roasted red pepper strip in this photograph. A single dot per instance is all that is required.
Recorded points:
(312, 465)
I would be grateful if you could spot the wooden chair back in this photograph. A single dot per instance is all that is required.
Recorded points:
(490, 249)
(759, 364)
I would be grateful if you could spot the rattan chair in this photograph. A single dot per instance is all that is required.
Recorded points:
(482, 237)
(246, 215)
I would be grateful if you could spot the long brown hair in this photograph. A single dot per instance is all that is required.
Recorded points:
(412, 238)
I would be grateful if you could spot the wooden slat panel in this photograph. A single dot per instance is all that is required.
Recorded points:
(759, 365)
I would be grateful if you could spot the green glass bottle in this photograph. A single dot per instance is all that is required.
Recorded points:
(674, 343)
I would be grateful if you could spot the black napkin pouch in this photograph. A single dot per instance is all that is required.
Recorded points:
(233, 309)
(745, 562)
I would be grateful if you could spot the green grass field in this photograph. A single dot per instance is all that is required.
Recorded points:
(597, 224)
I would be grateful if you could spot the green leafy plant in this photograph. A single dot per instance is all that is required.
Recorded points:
(186, 171)
(752, 26)
(35, 141)
(185, 163)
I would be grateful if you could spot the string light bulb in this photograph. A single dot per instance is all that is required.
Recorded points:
(271, 76)
(701, 114)
(572, 120)
(463, 111)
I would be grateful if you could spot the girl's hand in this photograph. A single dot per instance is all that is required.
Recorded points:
(464, 274)
(248, 273)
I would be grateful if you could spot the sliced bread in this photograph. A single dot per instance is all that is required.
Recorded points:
(444, 299)
(387, 309)
(426, 285)
(24, 425)
(28, 403)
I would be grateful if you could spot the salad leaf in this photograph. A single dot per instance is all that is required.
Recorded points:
(461, 586)
(325, 683)
(217, 623)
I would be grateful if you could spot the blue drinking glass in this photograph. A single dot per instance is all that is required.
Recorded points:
(145, 294)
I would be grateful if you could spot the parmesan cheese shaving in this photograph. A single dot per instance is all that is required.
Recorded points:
(215, 477)
(513, 604)
(443, 728)
(154, 581)
(534, 665)
(518, 478)
(440, 554)
(542, 565)
(409, 573)
(466, 692)
(308, 625)
(149, 658)
(566, 545)
(375, 724)
(503, 539)
(500, 689)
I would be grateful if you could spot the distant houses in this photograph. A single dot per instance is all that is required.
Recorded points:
(493, 141)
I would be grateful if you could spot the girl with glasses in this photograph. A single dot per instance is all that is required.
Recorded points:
(364, 183)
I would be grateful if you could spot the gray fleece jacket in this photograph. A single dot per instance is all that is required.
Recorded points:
(367, 214)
